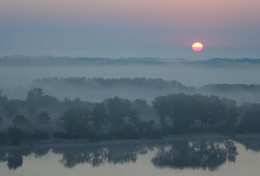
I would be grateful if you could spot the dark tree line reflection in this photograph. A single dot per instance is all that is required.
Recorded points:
(197, 154)
(102, 155)
(178, 154)
(14, 158)
(252, 143)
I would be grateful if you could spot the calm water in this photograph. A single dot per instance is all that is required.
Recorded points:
(179, 157)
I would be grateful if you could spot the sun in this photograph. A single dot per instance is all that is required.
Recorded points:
(197, 46)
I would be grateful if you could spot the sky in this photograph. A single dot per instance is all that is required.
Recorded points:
(130, 28)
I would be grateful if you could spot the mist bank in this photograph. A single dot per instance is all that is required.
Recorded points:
(41, 117)
(98, 89)
(242, 93)
(190, 73)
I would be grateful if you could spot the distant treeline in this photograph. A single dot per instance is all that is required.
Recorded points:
(19, 60)
(142, 82)
(228, 61)
(138, 82)
(41, 116)
(231, 88)
(51, 60)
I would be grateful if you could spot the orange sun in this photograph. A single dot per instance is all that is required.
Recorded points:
(197, 46)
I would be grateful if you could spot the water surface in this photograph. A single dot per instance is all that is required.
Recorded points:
(178, 157)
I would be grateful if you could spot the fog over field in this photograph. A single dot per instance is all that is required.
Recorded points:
(20, 74)
(188, 75)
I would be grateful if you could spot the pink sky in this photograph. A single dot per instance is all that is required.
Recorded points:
(220, 23)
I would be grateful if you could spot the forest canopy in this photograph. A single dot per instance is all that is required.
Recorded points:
(41, 116)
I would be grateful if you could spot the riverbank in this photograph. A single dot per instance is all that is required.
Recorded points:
(64, 143)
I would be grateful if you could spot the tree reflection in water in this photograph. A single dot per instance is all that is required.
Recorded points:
(14, 161)
(204, 154)
(14, 158)
(102, 155)
(252, 143)
(195, 154)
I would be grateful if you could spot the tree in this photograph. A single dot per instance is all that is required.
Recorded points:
(21, 122)
(34, 94)
(3, 137)
(15, 135)
(10, 109)
(99, 118)
(250, 120)
(118, 111)
(36, 100)
(77, 121)
(44, 121)
(1, 120)
(172, 110)
(33, 98)
(182, 113)
(44, 118)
